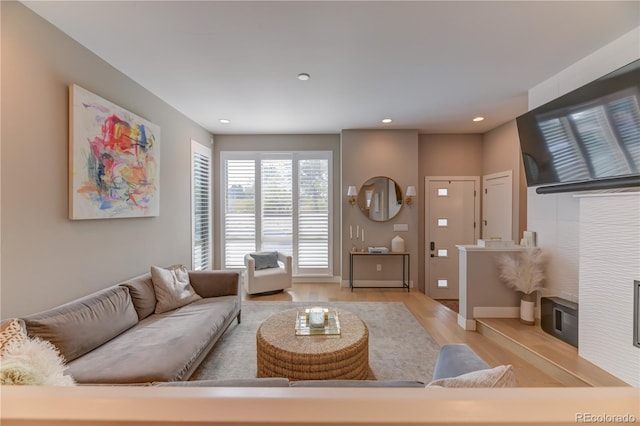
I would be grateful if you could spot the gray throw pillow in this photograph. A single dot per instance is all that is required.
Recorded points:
(172, 288)
(265, 260)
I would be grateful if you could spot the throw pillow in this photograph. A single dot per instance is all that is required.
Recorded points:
(501, 376)
(172, 288)
(265, 260)
(11, 331)
(33, 361)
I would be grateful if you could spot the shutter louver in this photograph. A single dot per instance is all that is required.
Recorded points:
(201, 210)
(313, 216)
(277, 206)
(239, 218)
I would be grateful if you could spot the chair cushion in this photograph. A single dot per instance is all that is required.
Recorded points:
(172, 288)
(265, 260)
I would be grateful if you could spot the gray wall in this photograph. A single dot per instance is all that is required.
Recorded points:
(278, 143)
(48, 259)
(369, 153)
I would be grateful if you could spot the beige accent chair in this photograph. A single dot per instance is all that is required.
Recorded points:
(269, 280)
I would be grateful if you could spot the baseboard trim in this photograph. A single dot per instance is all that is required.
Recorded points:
(496, 312)
(465, 324)
(375, 283)
(316, 279)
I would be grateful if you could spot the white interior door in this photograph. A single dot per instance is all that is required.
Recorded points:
(452, 214)
(497, 206)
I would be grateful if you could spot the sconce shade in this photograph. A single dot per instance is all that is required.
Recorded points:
(352, 193)
(411, 191)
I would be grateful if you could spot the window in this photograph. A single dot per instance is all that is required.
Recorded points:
(278, 201)
(200, 207)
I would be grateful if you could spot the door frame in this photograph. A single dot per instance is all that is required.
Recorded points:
(507, 174)
(478, 225)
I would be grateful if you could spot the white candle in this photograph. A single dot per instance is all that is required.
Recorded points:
(350, 232)
(363, 235)
(357, 231)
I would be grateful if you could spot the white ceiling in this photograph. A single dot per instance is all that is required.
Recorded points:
(428, 65)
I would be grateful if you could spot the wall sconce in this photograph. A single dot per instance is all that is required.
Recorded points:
(411, 192)
(352, 193)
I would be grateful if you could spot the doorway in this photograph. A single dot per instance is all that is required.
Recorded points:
(452, 210)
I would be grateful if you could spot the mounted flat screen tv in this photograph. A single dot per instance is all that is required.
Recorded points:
(587, 139)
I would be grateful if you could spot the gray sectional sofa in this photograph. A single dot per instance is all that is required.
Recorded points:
(113, 336)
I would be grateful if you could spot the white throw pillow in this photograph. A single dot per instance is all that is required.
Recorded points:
(501, 376)
(33, 361)
(172, 288)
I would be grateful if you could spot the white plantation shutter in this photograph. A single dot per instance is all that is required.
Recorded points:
(291, 193)
(200, 207)
(239, 211)
(313, 215)
(277, 205)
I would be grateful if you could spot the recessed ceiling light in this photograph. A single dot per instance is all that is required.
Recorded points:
(303, 76)
(387, 121)
(478, 119)
(224, 121)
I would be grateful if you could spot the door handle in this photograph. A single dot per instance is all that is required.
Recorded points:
(432, 246)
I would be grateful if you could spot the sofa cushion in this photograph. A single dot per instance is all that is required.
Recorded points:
(357, 384)
(455, 359)
(172, 288)
(79, 326)
(142, 294)
(265, 260)
(262, 382)
(501, 376)
(161, 347)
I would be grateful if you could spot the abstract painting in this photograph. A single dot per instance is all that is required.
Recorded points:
(114, 159)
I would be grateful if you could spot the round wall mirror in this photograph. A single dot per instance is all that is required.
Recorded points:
(380, 198)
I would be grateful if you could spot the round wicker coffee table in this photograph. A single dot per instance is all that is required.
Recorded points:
(281, 353)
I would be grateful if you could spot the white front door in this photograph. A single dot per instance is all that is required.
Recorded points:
(497, 206)
(452, 214)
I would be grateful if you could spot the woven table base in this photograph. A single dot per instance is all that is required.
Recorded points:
(281, 353)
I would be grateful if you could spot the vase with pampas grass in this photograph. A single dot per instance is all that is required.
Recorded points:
(525, 274)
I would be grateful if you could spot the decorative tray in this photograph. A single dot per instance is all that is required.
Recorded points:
(303, 323)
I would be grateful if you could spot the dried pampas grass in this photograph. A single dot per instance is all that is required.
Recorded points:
(523, 272)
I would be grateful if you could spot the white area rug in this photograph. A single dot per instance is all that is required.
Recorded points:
(399, 347)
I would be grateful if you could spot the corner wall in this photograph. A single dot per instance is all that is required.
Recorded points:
(501, 152)
(48, 259)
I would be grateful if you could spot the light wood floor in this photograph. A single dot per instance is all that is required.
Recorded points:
(439, 321)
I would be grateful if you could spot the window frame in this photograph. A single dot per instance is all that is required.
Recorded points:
(296, 157)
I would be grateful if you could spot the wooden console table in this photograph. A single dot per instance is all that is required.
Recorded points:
(406, 268)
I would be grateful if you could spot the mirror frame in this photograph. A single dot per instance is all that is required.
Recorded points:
(361, 200)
